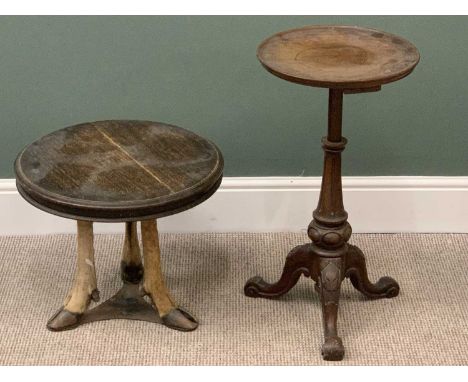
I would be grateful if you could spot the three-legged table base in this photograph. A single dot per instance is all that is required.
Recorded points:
(129, 304)
(328, 273)
(139, 281)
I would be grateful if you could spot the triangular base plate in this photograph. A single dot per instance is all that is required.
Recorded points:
(128, 303)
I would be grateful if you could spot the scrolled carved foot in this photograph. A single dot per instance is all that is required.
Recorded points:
(254, 286)
(180, 319)
(333, 349)
(356, 270)
(298, 262)
(385, 287)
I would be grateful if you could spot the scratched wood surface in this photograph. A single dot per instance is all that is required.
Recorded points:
(118, 170)
(342, 57)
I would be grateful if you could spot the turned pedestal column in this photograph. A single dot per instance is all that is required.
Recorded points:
(345, 60)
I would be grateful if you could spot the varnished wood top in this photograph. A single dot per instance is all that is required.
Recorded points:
(342, 57)
(118, 171)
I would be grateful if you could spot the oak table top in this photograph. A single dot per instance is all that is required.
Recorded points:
(118, 171)
(340, 57)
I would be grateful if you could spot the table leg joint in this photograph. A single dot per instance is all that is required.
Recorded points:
(299, 261)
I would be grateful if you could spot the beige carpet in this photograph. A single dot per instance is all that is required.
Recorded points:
(426, 324)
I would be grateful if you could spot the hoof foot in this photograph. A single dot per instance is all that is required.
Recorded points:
(332, 349)
(63, 320)
(179, 319)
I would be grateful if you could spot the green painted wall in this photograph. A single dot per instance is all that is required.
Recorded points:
(201, 73)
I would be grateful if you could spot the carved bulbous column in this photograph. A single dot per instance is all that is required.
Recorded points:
(329, 258)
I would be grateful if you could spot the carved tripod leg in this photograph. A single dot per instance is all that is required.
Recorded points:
(329, 284)
(357, 272)
(171, 315)
(131, 268)
(84, 287)
(299, 261)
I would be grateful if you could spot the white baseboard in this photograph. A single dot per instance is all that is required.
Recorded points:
(269, 204)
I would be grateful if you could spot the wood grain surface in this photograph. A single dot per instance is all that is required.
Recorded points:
(118, 170)
(342, 57)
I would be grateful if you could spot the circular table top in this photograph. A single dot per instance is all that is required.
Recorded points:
(341, 57)
(118, 171)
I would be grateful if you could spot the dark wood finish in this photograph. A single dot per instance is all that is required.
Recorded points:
(118, 171)
(343, 57)
(331, 59)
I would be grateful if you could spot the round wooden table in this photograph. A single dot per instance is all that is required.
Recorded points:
(119, 171)
(344, 59)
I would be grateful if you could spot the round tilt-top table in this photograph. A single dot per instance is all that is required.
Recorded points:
(120, 171)
(344, 59)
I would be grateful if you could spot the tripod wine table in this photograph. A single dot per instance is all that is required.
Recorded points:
(120, 171)
(345, 60)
